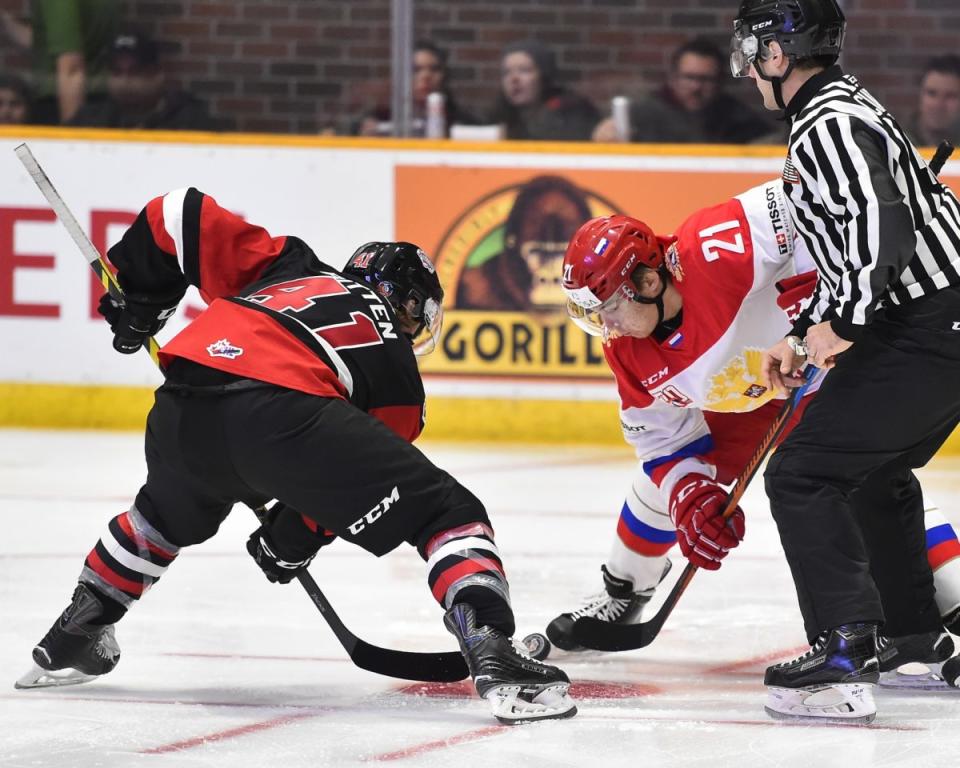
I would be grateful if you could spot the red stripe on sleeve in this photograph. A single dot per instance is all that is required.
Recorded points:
(405, 420)
(161, 237)
(232, 252)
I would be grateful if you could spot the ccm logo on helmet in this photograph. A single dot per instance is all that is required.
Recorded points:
(376, 513)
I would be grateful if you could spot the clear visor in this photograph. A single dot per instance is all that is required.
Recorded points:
(743, 52)
(428, 336)
(595, 320)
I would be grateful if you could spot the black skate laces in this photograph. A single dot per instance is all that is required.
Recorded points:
(818, 645)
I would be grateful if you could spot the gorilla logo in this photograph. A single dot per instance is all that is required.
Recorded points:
(524, 272)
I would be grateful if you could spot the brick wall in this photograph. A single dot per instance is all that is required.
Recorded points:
(297, 65)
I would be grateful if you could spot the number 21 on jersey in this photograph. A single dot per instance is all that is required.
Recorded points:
(731, 241)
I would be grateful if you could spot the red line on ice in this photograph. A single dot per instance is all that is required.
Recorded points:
(736, 666)
(231, 733)
(431, 746)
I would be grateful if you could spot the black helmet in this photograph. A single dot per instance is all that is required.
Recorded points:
(404, 275)
(805, 29)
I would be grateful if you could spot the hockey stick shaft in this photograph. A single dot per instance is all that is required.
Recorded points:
(438, 667)
(604, 636)
(940, 157)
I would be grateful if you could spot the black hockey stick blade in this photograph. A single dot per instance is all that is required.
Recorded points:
(440, 667)
(604, 636)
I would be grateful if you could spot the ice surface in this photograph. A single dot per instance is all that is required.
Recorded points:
(220, 667)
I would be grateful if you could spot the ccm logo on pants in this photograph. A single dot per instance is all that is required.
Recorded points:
(376, 513)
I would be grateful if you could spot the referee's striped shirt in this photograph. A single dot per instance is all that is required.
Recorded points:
(880, 226)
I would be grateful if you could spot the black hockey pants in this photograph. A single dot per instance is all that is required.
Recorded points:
(842, 491)
(210, 447)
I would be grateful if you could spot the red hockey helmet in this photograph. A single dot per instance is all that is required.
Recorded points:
(600, 260)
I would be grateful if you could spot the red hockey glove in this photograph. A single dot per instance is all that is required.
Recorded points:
(696, 508)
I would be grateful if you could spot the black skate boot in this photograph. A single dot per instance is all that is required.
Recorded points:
(832, 682)
(74, 650)
(914, 661)
(618, 604)
(519, 688)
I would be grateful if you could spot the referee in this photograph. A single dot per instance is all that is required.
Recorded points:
(885, 236)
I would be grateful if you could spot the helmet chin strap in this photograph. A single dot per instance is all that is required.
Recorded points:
(658, 299)
(776, 82)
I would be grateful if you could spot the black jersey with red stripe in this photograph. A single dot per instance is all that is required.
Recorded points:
(275, 313)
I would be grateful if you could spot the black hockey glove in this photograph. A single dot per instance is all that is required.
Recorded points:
(284, 546)
(133, 322)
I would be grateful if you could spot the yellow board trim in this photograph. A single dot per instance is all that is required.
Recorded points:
(360, 142)
(25, 132)
(60, 406)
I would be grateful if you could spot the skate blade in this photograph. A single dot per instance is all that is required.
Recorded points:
(513, 705)
(38, 677)
(915, 676)
(841, 703)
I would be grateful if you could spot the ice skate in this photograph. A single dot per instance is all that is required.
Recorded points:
(914, 661)
(618, 604)
(832, 682)
(74, 650)
(518, 688)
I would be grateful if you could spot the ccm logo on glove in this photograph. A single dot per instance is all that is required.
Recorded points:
(696, 508)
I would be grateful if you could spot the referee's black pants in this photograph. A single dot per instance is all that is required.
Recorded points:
(842, 490)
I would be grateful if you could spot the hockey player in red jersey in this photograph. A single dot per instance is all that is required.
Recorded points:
(685, 320)
(297, 383)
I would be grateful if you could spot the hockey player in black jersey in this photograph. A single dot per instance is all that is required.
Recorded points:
(297, 383)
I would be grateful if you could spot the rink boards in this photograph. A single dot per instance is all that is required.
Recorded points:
(515, 374)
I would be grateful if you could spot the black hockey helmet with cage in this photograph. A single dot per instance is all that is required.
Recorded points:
(404, 275)
(805, 29)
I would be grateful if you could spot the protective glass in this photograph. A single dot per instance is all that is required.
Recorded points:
(429, 334)
(591, 320)
(744, 48)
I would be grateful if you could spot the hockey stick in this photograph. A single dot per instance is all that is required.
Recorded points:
(600, 635)
(944, 150)
(444, 666)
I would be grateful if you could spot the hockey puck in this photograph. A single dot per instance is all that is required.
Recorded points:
(951, 671)
(537, 646)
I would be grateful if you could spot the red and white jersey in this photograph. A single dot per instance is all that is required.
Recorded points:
(743, 276)
(276, 312)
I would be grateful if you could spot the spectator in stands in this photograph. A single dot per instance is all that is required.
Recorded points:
(69, 39)
(532, 105)
(692, 107)
(938, 111)
(14, 101)
(430, 75)
(138, 95)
